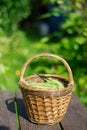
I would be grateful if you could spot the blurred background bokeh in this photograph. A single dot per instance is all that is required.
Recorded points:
(30, 27)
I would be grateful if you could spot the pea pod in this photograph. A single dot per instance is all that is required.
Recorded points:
(49, 83)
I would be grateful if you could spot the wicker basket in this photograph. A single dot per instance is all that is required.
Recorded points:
(46, 106)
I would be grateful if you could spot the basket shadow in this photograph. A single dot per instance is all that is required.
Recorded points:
(21, 108)
(4, 127)
(10, 103)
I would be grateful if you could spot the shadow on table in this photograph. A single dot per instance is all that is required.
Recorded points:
(17, 103)
(4, 127)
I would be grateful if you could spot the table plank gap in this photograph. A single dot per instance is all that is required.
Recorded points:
(61, 126)
(17, 116)
(7, 111)
(24, 122)
(76, 116)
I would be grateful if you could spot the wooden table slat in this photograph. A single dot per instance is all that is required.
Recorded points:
(25, 123)
(76, 116)
(7, 111)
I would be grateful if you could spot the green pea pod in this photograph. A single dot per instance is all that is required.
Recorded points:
(50, 83)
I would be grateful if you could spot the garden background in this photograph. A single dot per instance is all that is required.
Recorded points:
(20, 38)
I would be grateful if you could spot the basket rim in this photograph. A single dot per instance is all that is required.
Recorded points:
(22, 85)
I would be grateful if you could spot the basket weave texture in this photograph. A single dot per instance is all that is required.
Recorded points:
(46, 106)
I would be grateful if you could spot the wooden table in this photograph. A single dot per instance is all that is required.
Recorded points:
(13, 115)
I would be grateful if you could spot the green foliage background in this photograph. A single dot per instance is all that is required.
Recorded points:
(12, 12)
(18, 47)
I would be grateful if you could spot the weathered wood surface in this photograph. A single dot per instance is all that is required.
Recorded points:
(7, 111)
(75, 118)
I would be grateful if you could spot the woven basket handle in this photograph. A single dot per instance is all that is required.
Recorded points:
(47, 55)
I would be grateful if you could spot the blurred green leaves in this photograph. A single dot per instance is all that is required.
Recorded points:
(12, 12)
